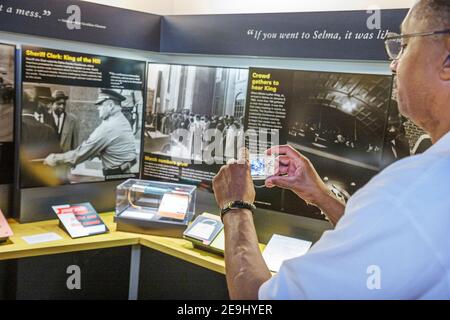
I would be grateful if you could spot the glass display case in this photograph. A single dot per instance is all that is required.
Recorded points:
(157, 208)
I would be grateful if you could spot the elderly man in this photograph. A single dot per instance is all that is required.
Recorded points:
(391, 241)
(112, 141)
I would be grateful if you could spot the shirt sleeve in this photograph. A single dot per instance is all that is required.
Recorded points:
(99, 139)
(375, 252)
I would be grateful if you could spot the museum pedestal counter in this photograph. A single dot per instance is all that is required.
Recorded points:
(121, 265)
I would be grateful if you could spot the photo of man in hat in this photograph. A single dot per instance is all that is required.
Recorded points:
(43, 96)
(112, 141)
(64, 123)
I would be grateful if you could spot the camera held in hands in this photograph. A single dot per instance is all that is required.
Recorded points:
(262, 166)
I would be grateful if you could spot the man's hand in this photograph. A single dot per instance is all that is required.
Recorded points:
(50, 160)
(295, 172)
(233, 182)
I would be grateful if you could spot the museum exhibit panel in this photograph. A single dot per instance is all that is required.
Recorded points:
(112, 130)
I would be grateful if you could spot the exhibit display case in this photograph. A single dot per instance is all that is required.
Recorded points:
(156, 208)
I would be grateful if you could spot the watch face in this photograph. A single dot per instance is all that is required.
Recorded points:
(230, 205)
(241, 205)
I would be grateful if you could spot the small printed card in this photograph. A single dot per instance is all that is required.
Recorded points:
(174, 206)
(80, 220)
(5, 230)
(42, 238)
(280, 249)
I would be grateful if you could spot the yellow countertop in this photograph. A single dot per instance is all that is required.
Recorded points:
(17, 248)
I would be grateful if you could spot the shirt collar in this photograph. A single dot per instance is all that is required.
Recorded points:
(443, 144)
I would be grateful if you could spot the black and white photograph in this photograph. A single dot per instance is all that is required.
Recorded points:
(340, 116)
(338, 121)
(185, 102)
(7, 69)
(82, 117)
(77, 134)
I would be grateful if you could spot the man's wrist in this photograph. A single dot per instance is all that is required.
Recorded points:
(235, 205)
(237, 214)
(322, 198)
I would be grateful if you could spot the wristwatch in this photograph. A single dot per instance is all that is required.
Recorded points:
(238, 204)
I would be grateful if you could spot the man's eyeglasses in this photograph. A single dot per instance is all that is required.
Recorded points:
(395, 46)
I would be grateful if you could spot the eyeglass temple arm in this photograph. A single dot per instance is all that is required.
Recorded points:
(418, 34)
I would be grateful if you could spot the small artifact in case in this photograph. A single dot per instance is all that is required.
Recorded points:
(156, 208)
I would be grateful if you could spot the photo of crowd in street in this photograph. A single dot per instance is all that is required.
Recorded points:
(340, 116)
(191, 108)
(73, 134)
(7, 57)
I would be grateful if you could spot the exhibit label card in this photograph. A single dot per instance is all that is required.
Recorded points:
(205, 228)
(174, 206)
(280, 249)
(5, 230)
(42, 238)
(80, 220)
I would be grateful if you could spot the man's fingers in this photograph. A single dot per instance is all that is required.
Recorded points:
(279, 181)
(286, 150)
(231, 161)
(281, 165)
(243, 156)
(283, 160)
(280, 169)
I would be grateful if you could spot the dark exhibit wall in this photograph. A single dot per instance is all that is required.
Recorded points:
(310, 35)
(105, 275)
(7, 85)
(82, 21)
(350, 35)
(7, 97)
(7, 107)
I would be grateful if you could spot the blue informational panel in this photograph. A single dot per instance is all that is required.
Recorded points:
(351, 35)
(82, 21)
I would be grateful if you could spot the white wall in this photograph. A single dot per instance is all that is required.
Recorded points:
(165, 7)
(253, 6)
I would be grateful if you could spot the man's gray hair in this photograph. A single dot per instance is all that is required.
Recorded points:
(435, 12)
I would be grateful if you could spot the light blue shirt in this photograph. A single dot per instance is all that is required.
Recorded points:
(392, 243)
